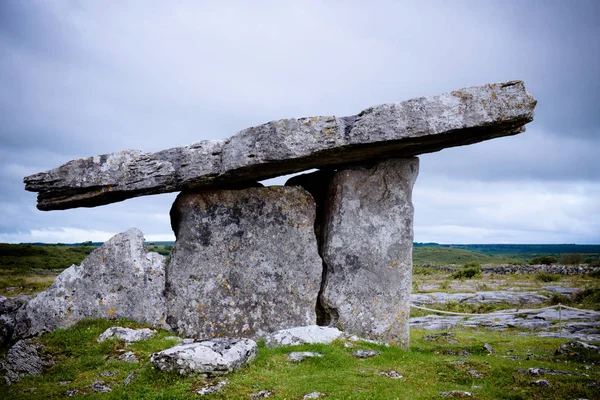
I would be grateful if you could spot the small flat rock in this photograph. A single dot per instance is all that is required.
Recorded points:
(63, 382)
(457, 393)
(314, 395)
(365, 353)
(390, 374)
(211, 357)
(474, 387)
(127, 335)
(299, 356)
(263, 394)
(128, 357)
(541, 383)
(312, 334)
(100, 387)
(129, 378)
(71, 392)
(349, 345)
(212, 389)
(474, 374)
(107, 373)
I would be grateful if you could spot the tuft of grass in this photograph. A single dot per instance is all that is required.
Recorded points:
(469, 271)
(546, 277)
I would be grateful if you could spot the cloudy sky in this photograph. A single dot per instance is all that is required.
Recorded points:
(80, 78)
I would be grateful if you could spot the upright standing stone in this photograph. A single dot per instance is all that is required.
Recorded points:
(245, 262)
(366, 245)
(120, 279)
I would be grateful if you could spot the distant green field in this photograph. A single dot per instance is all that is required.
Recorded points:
(438, 255)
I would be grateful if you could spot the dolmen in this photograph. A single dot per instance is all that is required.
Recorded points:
(332, 247)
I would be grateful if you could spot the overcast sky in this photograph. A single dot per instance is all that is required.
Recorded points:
(80, 78)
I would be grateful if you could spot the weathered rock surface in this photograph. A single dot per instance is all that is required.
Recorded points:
(245, 262)
(491, 297)
(24, 359)
(367, 239)
(303, 335)
(101, 387)
(120, 279)
(209, 357)
(580, 351)
(578, 325)
(420, 125)
(127, 335)
(212, 389)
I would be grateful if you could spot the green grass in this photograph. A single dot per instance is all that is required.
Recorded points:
(450, 256)
(27, 257)
(426, 370)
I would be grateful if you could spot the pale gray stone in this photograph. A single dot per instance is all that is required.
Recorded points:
(212, 389)
(365, 353)
(420, 125)
(209, 357)
(24, 359)
(312, 334)
(101, 387)
(488, 347)
(474, 374)
(299, 356)
(120, 279)
(541, 383)
(391, 374)
(490, 297)
(128, 357)
(314, 395)
(366, 246)
(245, 262)
(129, 378)
(127, 335)
(263, 394)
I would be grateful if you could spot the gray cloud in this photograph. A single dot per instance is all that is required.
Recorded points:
(78, 79)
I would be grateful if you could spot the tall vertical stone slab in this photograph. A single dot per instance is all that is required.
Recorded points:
(245, 262)
(367, 239)
(120, 279)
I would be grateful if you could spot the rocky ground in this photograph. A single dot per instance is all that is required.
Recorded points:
(526, 296)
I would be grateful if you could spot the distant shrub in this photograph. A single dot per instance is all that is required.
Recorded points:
(594, 274)
(543, 260)
(422, 271)
(595, 263)
(571, 258)
(560, 299)
(469, 270)
(545, 277)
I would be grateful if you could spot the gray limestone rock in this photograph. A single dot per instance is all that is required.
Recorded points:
(100, 387)
(245, 262)
(546, 371)
(127, 335)
(416, 126)
(391, 374)
(212, 389)
(128, 357)
(541, 383)
(120, 279)
(299, 356)
(263, 394)
(312, 334)
(314, 395)
(209, 357)
(367, 249)
(129, 378)
(365, 353)
(490, 297)
(24, 359)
